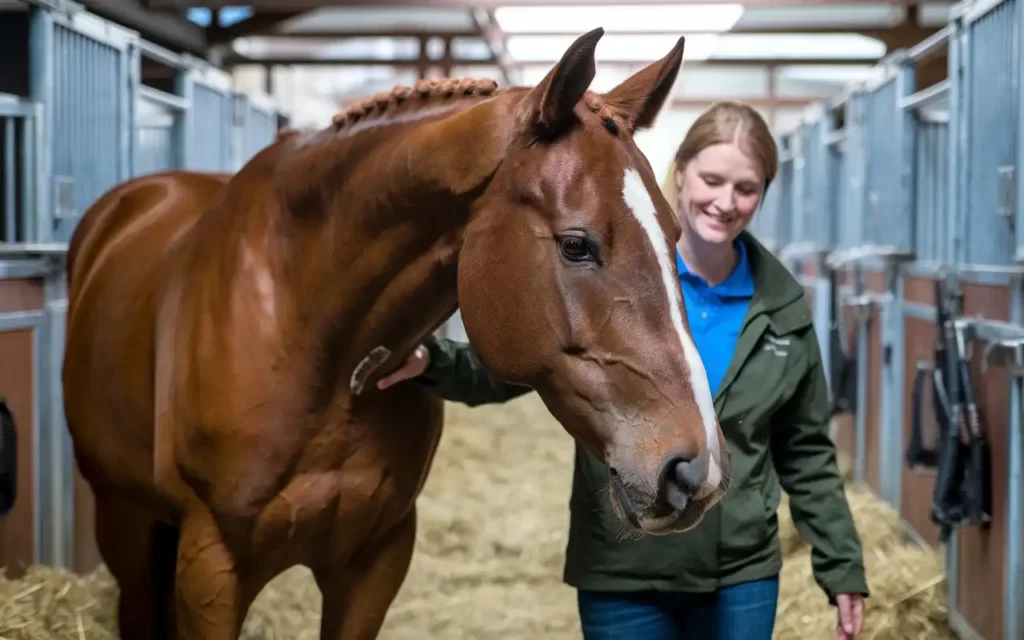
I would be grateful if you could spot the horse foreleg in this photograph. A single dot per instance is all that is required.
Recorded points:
(356, 597)
(140, 553)
(211, 600)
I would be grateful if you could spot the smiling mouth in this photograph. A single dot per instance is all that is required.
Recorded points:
(720, 218)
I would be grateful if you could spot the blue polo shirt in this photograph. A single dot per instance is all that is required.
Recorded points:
(716, 314)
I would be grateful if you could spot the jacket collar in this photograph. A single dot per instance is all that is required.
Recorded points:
(776, 291)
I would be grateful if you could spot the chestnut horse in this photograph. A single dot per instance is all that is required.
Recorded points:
(225, 335)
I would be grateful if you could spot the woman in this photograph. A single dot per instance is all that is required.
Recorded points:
(753, 329)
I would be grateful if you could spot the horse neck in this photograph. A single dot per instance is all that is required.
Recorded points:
(377, 215)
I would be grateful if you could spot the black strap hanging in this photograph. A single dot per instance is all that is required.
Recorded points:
(8, 459)
(842, 366)
(962, 492)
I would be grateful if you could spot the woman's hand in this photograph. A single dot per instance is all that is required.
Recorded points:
(850, 609)
(414, 366)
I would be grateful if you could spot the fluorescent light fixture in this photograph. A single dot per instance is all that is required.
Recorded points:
(661, 18)
(707, 46)
(629, 48)
(789, 46)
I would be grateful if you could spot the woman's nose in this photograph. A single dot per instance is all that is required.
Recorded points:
(725, 202)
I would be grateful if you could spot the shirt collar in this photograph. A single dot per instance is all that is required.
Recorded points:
(739, 284)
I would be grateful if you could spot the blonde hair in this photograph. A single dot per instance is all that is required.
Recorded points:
(724, 123)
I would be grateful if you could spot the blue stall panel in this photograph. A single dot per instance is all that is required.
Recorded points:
(154, 137)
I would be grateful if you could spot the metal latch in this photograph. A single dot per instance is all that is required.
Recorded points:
(1006, 188)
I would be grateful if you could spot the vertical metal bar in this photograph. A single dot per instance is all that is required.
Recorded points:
(799, 224)
(132, 61)
(1013, 608)
(860, 418)
(1019, 160)
(857, 160)
(185, 87)
(964, 172)
(41, 90)
(41, 463)
(29, 174)
(62, 453)
(10, 165)
(179, 141)
(131, 58)
(893, 326)
(957, 123)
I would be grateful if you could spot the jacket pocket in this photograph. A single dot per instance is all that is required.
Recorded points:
(747, 526)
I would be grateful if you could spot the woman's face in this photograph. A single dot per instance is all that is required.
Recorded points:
(719, 191)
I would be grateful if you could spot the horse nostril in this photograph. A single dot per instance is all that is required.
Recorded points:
(614, 472)
(690, 474)
(681, 477)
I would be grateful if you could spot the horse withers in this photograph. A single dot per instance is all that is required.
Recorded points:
(225, 334)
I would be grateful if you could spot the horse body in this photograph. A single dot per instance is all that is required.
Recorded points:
(209, 410)
(225, 334)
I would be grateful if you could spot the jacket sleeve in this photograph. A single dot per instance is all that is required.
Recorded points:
(805, 460)
(455, 373)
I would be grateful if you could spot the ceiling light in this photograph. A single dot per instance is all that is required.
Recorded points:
(660, 18)
(618, 47)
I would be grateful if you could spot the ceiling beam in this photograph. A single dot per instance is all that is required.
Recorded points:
(166, 29)
(295, 5)
(333, 35)
(235, 59)
(901, 34)
(257, 24)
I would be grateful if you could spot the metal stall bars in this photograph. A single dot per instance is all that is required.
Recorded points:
(81, 74)
(924, 163)
(835, 180)
(792, 224)
(814, 216)
(771, 224)
(37, 525)
(255, 126)
(874, 235)
(208, 126)
(984, 194)
(26, 342)
(764, 224)
(159, 141)
(20, 139)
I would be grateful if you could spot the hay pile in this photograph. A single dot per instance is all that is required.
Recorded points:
(488, 561)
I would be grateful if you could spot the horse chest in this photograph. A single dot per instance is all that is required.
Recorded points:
(337, 508)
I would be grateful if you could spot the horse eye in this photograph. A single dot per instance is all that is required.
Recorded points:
(576, 249)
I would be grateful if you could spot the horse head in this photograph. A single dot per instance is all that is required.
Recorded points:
(532, 210)
(567, 283)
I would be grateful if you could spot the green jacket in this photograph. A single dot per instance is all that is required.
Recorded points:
(773, 405)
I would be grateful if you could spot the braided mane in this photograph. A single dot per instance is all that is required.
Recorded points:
(303, 177)
(384, 102)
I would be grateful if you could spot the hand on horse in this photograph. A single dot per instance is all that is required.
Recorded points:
(414, 366)
(850, 610)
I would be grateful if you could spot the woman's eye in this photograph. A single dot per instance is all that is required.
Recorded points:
(576, 248)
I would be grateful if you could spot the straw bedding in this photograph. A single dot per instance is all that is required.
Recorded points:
(493, 522)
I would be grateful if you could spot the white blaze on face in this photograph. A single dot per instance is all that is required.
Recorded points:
(640, 204)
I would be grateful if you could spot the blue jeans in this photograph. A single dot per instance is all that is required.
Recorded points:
(739, 612)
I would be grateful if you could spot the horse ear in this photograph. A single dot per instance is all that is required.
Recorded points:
(552, 102)
(640, 97)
